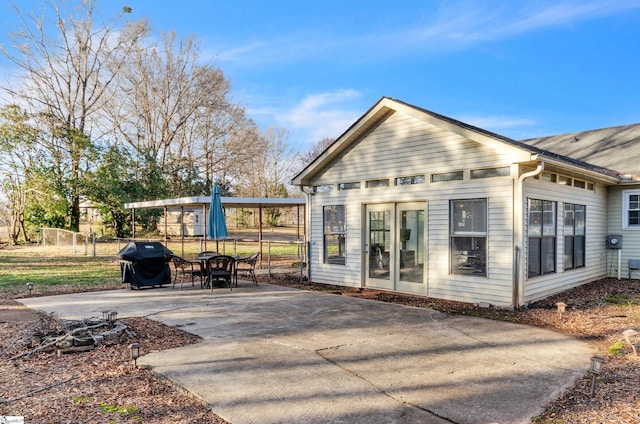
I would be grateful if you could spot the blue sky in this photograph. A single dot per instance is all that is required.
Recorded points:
(521, 69)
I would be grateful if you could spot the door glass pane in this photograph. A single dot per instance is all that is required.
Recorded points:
(379, 244)
(411, 235)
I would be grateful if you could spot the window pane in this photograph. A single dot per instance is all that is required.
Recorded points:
(569, 219)
(334, 234)
(491, 172)
(548, 255)
(535, 217)
(568, 252)
(447, 176)
(415, 179)
(323, 188)
(334, 249)
(378, 183)
(564, 180)
(533, 264)
(581, 219)
(546, 176)
(468, 255)
(578, 249)
(349, 186)
(549, 218)
(468, 216)
(334, 219)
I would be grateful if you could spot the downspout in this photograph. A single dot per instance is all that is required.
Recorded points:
(307, 223)
(518, 233)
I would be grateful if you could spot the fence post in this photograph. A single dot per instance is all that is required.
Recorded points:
(269, 258)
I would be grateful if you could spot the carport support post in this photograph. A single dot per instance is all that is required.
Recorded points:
(165, 227)
(133, 223)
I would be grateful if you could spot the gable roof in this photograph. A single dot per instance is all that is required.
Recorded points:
(387, 106)
(615, 147)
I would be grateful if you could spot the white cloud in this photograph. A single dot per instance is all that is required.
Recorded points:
(314, 117)
(455, 25)
(322, 115)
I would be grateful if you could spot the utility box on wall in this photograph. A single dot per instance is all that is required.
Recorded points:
(614, 241)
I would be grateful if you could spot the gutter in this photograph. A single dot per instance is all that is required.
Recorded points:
(307, 223)
(518, 233)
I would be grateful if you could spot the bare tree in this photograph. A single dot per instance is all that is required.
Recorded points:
(269, 167)
(69, 64)
(305, 158)
(177, 113)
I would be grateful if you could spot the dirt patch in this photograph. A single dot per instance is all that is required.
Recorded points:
(12, 311)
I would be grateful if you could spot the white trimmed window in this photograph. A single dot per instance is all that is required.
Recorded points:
(542, 237)
(335, 231)
(468, 236)
(575, 218)
(631, 209)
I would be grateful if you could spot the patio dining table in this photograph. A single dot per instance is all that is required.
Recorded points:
(205, 263)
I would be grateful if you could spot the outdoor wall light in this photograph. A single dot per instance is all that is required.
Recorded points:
(134, 349)
(631, 337)
(597, 362)
(30, 288)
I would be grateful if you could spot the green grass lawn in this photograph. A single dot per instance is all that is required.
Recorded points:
(50, 268)
(58, 270)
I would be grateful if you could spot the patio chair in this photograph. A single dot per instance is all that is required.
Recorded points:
(218, 268)
(248, 266)
(185, 267)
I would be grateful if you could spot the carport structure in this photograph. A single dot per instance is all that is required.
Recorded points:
(203, 202)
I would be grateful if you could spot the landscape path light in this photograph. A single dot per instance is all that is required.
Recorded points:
(105, 315)
(561, 308)
(30, 288)
(597, 362)
(134, 349)
(113, 315)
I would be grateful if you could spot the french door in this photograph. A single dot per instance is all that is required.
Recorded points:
(395, 247)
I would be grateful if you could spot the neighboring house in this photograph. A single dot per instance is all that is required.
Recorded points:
(415, 202)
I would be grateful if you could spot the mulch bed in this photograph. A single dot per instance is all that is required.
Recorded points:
(102, 385)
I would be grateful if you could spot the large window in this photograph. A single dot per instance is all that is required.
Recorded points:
(468, 232)
(631, 209)
(334, 230)
(574, 235)
(542, 237)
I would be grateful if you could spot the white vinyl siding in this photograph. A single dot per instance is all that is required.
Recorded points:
(495, 288)
(630, 237)
(404, 145)
(539, 287)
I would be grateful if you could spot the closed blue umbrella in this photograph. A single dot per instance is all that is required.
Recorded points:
(216, 225)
